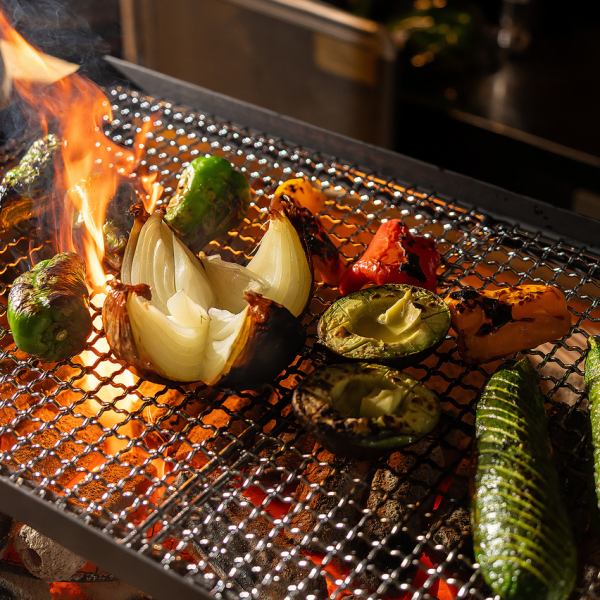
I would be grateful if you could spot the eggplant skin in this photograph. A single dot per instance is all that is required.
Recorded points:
(275, 338)
(521, 533)
(48, 308)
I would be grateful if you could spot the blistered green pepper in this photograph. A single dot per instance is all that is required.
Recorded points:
(211, 198)
(34, 171)
(48, 308)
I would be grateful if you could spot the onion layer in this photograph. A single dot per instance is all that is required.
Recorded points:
(189, 319)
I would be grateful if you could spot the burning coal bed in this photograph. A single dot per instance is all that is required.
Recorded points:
(161, 378)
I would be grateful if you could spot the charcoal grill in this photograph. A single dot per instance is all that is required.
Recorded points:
(250, 506)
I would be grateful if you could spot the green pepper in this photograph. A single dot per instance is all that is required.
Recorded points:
(211, 198)
(592, 382)
(34, 171)
(48, 308)
(521, 531)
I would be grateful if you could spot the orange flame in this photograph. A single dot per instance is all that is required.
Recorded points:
(92, 166)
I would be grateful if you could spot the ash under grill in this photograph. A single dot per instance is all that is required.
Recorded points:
(221, 489)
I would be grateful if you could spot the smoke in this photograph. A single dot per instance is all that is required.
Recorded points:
(59, 28)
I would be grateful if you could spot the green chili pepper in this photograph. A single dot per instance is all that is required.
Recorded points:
(592, 382)
(521, 531)
(48, 308)
(211, 198)
(34, 172)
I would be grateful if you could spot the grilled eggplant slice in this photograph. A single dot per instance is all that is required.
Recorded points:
(495, 323)
(211, 198)
(48, 308)
(188, 319)
(395, 323)
(522, 537)
(592, 382)
(363, 409)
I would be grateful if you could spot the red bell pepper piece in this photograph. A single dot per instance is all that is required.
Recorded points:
(394, 256)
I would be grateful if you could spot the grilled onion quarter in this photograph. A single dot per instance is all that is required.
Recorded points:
(187, 318)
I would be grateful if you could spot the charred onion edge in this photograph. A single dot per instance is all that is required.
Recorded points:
(287, 210)
(118, 331)
(322, 249)
(275, 341)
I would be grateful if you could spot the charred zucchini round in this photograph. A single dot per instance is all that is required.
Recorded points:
(365, 409)
(395, 323)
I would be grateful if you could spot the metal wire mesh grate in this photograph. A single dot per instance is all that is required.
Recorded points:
(222, 487)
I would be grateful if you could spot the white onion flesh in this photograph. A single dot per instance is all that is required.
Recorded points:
(197, 311)
(281, 261)
(229, 281)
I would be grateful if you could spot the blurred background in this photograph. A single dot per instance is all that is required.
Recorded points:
(507, 91)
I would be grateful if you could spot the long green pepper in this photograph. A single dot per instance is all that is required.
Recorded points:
(522, 536)
(592, 382)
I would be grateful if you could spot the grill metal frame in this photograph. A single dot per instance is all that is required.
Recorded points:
(258, 438)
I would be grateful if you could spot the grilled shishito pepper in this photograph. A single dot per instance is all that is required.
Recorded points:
(34, 171)
(363, 409)
(592, 382)
(211, 198)
(22, 186)
(394, 255)
(48, 308)
(522, 537)
(495, 323)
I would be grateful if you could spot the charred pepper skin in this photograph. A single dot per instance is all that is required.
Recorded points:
(48, 308)
(33, 173)
(521, 532)
(394, 255)
(212, 197)
(592, 382)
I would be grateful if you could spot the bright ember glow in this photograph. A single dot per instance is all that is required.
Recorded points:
(92, 166)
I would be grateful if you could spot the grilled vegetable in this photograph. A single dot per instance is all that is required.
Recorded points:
(365, 409)
(211, 198)
(118, 224)
(23, 183)
(592, 382)
(34, 172)
(48, 308)
(495, 323)
(327, 261)
(390, 323)
(303, 193)
(522, 537)
(394, 256)
(190, 319)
